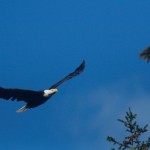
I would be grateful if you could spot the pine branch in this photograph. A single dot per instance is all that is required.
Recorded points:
(133, 140)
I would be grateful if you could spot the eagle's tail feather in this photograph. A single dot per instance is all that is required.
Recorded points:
(22, 109)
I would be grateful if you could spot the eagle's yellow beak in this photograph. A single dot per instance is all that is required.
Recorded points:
(55, 90)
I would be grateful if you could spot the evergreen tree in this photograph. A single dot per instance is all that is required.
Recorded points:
(133, 141)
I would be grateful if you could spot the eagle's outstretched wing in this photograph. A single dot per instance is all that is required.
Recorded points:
(77, 71)
(145, 54)
(17, 94)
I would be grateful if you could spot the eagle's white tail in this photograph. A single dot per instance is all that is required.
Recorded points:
(22, 109)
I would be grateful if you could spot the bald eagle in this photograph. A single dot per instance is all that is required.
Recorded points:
(145, 54)
(36, 98)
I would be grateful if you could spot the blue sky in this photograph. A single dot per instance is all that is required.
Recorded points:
(42, 41)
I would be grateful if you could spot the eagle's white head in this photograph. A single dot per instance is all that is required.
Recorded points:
(49, 92)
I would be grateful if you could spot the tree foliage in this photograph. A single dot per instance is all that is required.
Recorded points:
(145, 54)
(133, 140)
